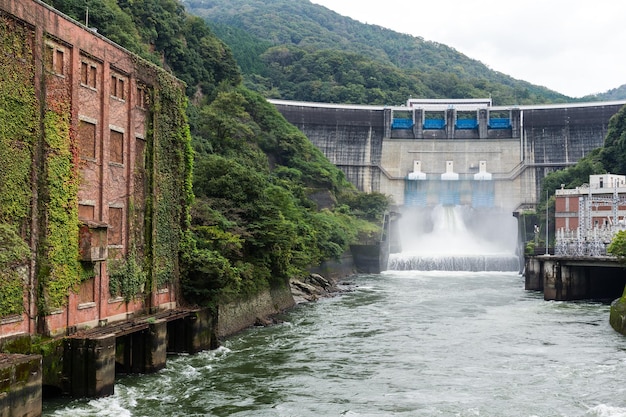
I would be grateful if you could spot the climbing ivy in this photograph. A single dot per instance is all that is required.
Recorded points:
(127, 277)
(59, 269)
(19, 124)
(171, 178)
(13, 254)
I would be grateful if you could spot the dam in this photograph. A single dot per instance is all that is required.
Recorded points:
(444, 151)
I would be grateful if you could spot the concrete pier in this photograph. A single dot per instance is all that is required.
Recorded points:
(89, 365)
(20, 385)
(92, 359)
(568, 278)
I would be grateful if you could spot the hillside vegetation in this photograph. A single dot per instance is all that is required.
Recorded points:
(302, 51)
(257, 219)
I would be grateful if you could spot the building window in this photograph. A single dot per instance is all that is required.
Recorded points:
(140, 148)
(87, 140)
(116, 147)
(88, 74)
(58, 63)
(115, 226)
(87, 289)
(117, 87)
(54, 59)
(86, 212)
(142, 96)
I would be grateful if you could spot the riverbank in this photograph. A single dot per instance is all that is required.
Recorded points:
(261, 309)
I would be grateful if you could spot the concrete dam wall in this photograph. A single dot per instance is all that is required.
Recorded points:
(497, 156)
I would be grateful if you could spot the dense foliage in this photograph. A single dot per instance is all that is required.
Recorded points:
(303, 51)
(255, 219)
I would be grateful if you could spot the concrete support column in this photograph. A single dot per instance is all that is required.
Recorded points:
(90, 366)
(101, 366)
(200, 326)
(193, 333)
(418, 127)
(533, 275)
(156, 347)
(387, 113)
(566, 282)
(552, 280)
(450, 123)
(516, 123)
(20, 386)
(483, 124)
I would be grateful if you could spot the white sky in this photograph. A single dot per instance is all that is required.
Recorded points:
(574, 47)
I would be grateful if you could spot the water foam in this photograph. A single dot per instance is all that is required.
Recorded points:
(456, 238)
(604, 410)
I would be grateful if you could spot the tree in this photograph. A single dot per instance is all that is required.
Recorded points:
(617, 247)
(614, 152)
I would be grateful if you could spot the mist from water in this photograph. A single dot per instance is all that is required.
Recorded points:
(456, 238)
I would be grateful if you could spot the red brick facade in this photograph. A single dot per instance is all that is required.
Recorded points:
(108, 98)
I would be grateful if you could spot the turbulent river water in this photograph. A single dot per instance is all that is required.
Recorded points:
(403, 343)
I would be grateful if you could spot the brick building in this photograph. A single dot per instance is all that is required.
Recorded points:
(122, 187)
(587, 217)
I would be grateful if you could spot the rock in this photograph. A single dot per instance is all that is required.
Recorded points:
(263, 322)
(302, 290)
(317, 279)
(311, 288)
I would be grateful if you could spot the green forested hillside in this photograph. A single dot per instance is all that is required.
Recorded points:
(255, 221)
(302, 51)
(618, 93)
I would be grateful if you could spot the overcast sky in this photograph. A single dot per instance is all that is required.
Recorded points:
(574, 47)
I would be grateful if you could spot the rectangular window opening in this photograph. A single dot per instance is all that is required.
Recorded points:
(92, 76)
(116, 147)
(115, 226)
(59, 64)
(87, 140)
(84, 73)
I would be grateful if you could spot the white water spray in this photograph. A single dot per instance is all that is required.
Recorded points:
(457, 238)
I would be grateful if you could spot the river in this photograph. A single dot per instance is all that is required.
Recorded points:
(397, 344)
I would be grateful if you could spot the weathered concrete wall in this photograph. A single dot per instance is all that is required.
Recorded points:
(20, 385)
(566, 279)
(350, 137)
(236, 316)
(336, 269)
(558, 136)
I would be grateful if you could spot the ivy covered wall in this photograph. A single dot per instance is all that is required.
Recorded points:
(159, 208)
(19, 127)
(39, 180)
(171, 162)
